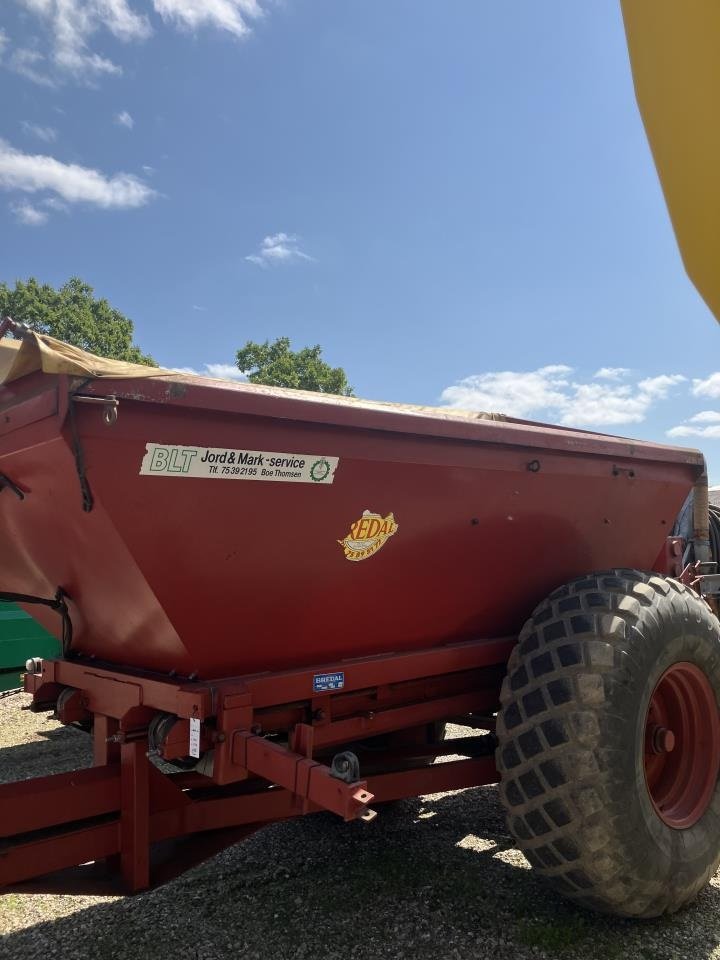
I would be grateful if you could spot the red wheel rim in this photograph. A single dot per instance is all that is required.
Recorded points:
(682, 745)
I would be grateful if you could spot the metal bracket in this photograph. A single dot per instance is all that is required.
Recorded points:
(110, 406)
(71, 707)
(17, 329)
(345, 766)
(701, 576)
(709, 586)
(306, 778)
(7, 482)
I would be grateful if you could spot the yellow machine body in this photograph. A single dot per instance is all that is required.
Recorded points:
(675, 56)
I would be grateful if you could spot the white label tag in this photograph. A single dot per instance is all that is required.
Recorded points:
(195, 738)
(222, 463)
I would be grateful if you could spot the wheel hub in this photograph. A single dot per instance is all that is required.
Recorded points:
(661, 740)
(682, 745)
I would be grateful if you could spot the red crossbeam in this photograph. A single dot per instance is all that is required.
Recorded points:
(171, 812)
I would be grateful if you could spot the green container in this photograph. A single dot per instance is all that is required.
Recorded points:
(21, 637)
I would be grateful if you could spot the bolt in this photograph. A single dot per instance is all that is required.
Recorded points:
(663, 740)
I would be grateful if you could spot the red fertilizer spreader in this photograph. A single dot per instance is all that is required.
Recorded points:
(271, 602)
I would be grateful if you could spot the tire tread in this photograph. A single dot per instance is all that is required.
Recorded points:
(559, 779)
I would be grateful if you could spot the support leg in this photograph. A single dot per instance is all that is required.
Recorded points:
(135, 816)
(104, 753)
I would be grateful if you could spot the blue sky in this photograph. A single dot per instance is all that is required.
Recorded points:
(456, 200)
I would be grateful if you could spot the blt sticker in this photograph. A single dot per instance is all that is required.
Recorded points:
(224, 463)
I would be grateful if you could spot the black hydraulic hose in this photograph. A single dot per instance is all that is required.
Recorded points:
(57, 603)
(701, 538)
(714, 532)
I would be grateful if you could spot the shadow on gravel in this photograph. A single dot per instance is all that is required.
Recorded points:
(71, 749)
(432, 878)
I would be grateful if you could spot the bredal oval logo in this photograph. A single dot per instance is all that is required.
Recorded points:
(367, 535)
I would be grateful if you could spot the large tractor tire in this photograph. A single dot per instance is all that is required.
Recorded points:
(609, 742)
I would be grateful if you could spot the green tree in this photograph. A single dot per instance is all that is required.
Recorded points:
(276, 365)
(73, 314)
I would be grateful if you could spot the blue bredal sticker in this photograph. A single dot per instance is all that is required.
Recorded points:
(328, 681)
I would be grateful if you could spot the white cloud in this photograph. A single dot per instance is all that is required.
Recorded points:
(517, 394)
(4, 41)
(712, 432)
(710, 387)
(123, 119)
(711, 419)
(47, 134)
(229, 15)
(706, 416)
(553, 394)
(25, 62)
(52, 203)
(611, 373)
(75, 60)
(605, 405)
(224, 371)
(148, 170)
(278, 248)
(28, 215)
(33, 173)
(71, 26)
(218, 371)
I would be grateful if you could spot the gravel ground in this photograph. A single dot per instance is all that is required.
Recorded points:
(436, 877)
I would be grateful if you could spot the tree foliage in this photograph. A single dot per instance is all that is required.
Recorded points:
(75, 315)
(276, 365)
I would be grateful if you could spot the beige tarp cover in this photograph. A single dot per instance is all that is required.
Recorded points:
(39, 352)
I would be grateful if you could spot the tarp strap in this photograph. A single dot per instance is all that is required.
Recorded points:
(57, 603)
(88, 500)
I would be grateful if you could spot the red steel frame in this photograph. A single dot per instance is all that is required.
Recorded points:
(270, 738)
